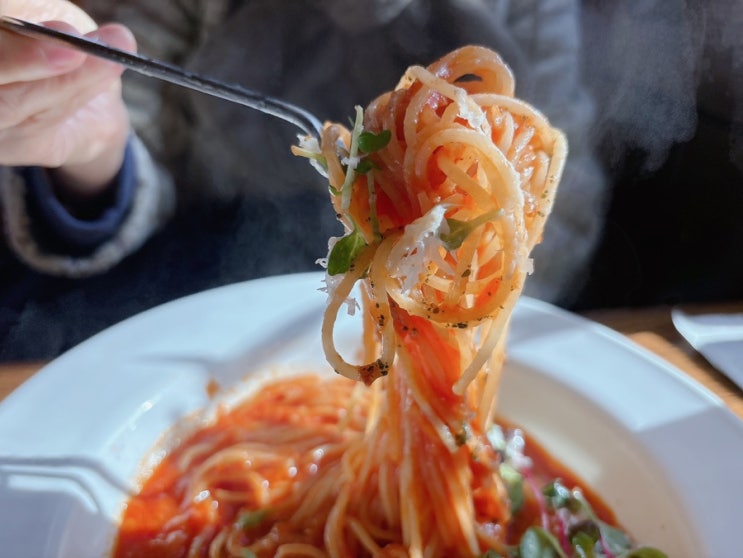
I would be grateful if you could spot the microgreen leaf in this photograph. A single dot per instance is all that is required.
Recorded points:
(344, 252)
(369, 142)
(459, 230)
(586, 527)
(584, 545)
(644, 552)
(538, 543)
(514, 485)
(557, 495)
(490, 554)
(251, 518)
(614, 539)
(365, 165)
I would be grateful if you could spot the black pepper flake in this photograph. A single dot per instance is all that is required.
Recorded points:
(461, 437)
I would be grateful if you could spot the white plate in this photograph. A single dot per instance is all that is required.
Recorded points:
(664, 453)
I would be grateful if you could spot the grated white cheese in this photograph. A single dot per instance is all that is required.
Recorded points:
(529, 266)
(420, 243)
(470, 111)
(351, 162)
(309, 147)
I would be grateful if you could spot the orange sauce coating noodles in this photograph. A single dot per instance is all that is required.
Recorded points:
(271, 470)
(444, 216)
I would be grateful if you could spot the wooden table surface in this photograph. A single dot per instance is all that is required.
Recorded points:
(653, 329)
(649, 327)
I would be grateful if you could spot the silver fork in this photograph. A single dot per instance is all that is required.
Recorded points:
(151, 67)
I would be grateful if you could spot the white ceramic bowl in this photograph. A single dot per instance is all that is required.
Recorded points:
(664, 453)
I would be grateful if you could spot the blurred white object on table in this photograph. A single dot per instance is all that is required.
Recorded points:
(718, 337)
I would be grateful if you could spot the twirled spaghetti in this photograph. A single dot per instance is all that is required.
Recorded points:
(444, 185)
(449, 211)
(443, 206)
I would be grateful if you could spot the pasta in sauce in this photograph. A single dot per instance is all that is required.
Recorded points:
(444, 186)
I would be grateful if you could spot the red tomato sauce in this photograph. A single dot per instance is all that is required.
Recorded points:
(147, 529)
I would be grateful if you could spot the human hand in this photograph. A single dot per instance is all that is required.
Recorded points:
(59, 108)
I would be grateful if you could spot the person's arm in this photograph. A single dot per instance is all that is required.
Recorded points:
(59, 108)
(55, 239)
(78, 191)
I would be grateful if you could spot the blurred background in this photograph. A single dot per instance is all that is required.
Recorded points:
(667, 78)
(649, 92)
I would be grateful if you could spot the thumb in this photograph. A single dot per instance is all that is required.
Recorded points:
(28, 59)
(24, 59)
(114, 35)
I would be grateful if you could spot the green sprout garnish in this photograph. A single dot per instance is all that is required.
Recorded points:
(536, 542)
(514, 485)
(344, 252)
(365, 165)
(459, 230)
(369, 142)
(362, 142)
(353, 153)
(251, 518)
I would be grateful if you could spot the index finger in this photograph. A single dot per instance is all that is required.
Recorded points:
(27, 59)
